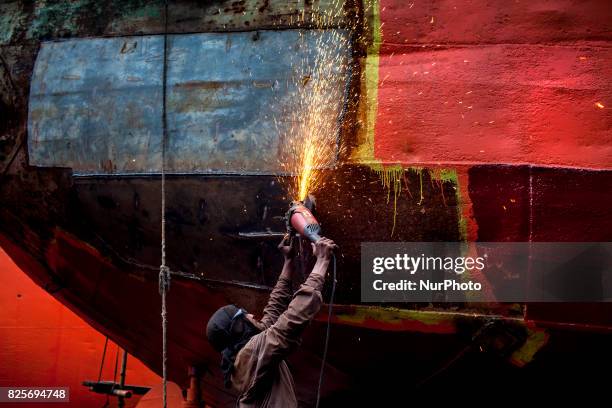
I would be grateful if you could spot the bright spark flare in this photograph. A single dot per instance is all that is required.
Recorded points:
(309, 144)
(305, 178)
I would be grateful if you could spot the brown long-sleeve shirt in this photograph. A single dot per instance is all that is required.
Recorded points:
(261, 374)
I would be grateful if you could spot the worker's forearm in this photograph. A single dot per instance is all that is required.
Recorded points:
(287, 271)
(280, 296)
(316, 279)
(285, 334)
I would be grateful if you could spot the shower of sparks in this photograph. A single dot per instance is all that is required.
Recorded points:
(310, 137)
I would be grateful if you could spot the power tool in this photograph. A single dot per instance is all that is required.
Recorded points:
(300, 220)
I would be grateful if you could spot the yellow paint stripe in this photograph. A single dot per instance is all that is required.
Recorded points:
(365, 151)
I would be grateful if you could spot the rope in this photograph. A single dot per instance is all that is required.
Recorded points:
(116, 364)
(328, 330)
(164, 271)
(103, 358)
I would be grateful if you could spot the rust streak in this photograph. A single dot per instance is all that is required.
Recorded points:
(201, 85)
(262, 84)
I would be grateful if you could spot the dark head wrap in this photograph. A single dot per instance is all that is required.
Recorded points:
(228, 330)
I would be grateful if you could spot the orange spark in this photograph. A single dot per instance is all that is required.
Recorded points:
(310, 143)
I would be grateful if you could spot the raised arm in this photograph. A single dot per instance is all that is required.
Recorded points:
(285, 334)
(280, 339)
(281, 294)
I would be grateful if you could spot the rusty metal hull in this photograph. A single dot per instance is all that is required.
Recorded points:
(93, 242)
(102, 263)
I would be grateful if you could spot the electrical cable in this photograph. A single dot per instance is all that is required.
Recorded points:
(328, 329)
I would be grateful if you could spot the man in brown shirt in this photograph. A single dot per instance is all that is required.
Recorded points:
(254, 352)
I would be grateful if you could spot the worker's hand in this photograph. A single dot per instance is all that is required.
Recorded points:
(287, 246)
(324, 248)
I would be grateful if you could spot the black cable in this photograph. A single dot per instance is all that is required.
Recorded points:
(328, 330)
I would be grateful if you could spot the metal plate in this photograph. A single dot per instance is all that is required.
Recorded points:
(96, 104)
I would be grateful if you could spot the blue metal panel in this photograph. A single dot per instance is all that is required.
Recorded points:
(96, 104)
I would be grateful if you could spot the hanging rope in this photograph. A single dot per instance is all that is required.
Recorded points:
(103, 358)
(164, 271)
(116, 364)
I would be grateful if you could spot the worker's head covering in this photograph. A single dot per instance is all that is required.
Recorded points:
(219, 325)
(228, 330)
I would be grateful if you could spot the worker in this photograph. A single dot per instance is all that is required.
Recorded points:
(253, 352)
